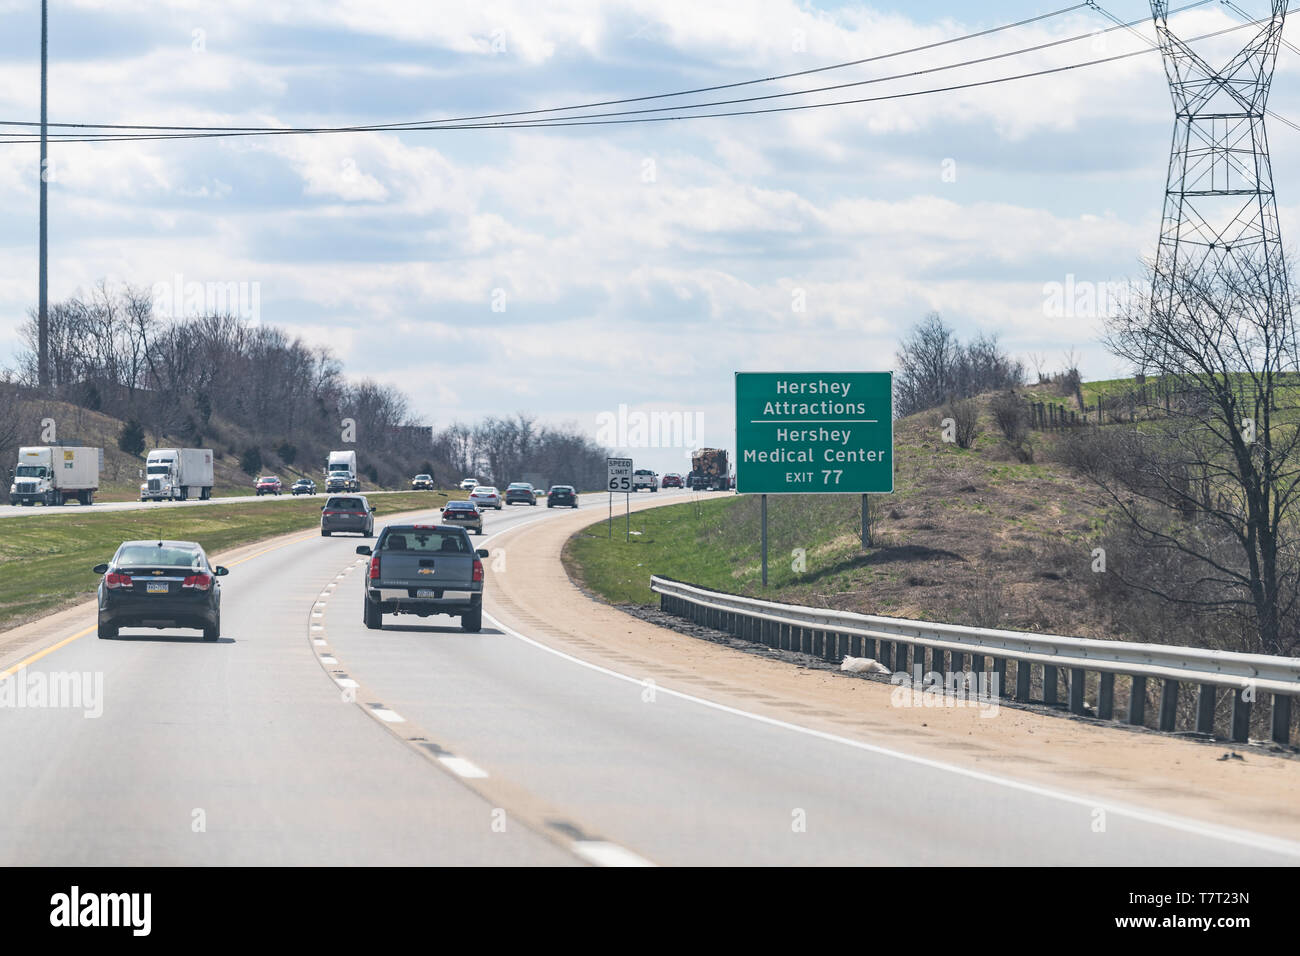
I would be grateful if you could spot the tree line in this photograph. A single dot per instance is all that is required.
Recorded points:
(260, 394)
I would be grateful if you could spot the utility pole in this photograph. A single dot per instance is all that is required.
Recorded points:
(43, 300)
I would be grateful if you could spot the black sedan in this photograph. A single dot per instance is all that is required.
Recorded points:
(160, 584)
(463, 514)
(521, 492)
(303, 486)
(562, 496)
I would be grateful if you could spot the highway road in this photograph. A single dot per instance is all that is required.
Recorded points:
(72, 508)
(303, 738)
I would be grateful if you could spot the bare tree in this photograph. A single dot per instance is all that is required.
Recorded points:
(1214, 478)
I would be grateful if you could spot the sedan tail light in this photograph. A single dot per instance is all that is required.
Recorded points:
(200, 582)
(478, 570)
(115, 579)
(374, 567)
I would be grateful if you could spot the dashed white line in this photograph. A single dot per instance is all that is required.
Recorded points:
(602, 853)
(328, 660)
(319, 643)
(346, 682)
(391, 716)
(462, 767)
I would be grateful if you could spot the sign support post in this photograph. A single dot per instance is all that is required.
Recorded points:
(618, 477)
(866, 522)
(763, 500)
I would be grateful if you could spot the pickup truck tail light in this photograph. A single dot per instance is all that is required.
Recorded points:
(478, 570)
(374, 567)
(199, 582)
(114, 580)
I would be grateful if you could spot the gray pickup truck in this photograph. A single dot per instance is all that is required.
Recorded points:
(424, 569)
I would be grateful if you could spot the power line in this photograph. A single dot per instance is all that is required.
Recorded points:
(593, 105)
(623, 118)
(451, 122)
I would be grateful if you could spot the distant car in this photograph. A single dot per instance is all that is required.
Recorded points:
(644, 478)
(671, 481)
(347, 513)
(159, 584)
(422, 483)
(485, 496)
(463, 514)
(539, 492)
(423, 569)
(562, 495)
(468, 484)
(303, 486)
(268, 485)
(521, 492)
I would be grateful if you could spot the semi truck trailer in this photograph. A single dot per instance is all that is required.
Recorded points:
(56, 474)
(177, 474)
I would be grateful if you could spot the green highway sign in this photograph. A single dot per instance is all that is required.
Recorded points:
(814, 433)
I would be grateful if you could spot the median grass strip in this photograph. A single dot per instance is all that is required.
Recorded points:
(45, 563)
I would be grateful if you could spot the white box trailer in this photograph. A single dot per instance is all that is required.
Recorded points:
(56, 474)
(177, 474)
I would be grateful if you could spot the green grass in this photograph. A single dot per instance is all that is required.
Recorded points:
(45, 563)
(716, 544)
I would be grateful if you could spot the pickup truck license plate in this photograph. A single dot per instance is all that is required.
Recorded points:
(425, 593)
(155, 587)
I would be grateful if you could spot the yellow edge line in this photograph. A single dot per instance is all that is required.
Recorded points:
(15, 668)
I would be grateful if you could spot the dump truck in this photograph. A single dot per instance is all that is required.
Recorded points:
(177, 474)
(55, 474)
(709, 470)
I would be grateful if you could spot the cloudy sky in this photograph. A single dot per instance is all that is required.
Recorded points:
(564, 272)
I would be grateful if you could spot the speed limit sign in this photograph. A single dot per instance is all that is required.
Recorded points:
(620, 474)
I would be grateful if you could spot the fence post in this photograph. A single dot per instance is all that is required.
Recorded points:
(1106, 696)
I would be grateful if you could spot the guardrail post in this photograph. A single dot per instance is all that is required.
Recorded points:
(885, 657)
(958, 659)
(1281, 719)
(900, 656)
(1205, 709)
(1168, 704)
(818, 641)
(938, 659)
(1137, 702)
(999, 682)
(869, 647)
(1023, 676)
(1076, 690)
(1106, 696)
(1240, 730)
(977, 664)
(1051, 684)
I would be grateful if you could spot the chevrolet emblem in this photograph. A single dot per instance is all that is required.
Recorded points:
(426, 570)
(160, 572)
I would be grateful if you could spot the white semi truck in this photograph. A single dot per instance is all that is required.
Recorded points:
(55, 474)
(177, 474)
(341, 472)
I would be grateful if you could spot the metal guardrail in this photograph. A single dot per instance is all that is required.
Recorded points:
(832, 635)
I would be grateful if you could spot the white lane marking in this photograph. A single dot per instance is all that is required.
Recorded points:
(325, 659)
(346, 682)
(1183, 824)
(317, 614)
(462, 767)
(603, 853)
(318, 642)
(391, 716)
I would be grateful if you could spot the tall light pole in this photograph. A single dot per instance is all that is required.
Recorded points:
(43, 315)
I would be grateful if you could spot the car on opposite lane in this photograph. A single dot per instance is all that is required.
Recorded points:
(422, 483)
(468, 484)
(521, 492)
(159, 584)
(347, 513)
(268, 485)
(423, 569)
(562, 496)
(485, 496)
(463, 514)
(303, 486)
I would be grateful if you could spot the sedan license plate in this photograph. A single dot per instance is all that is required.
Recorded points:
(425, 593)
(155, 587)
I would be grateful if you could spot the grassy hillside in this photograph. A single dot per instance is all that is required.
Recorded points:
(47, 562)
(970, 536)
(120, 480)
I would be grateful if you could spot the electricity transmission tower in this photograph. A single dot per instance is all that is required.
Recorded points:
(1220, 212)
